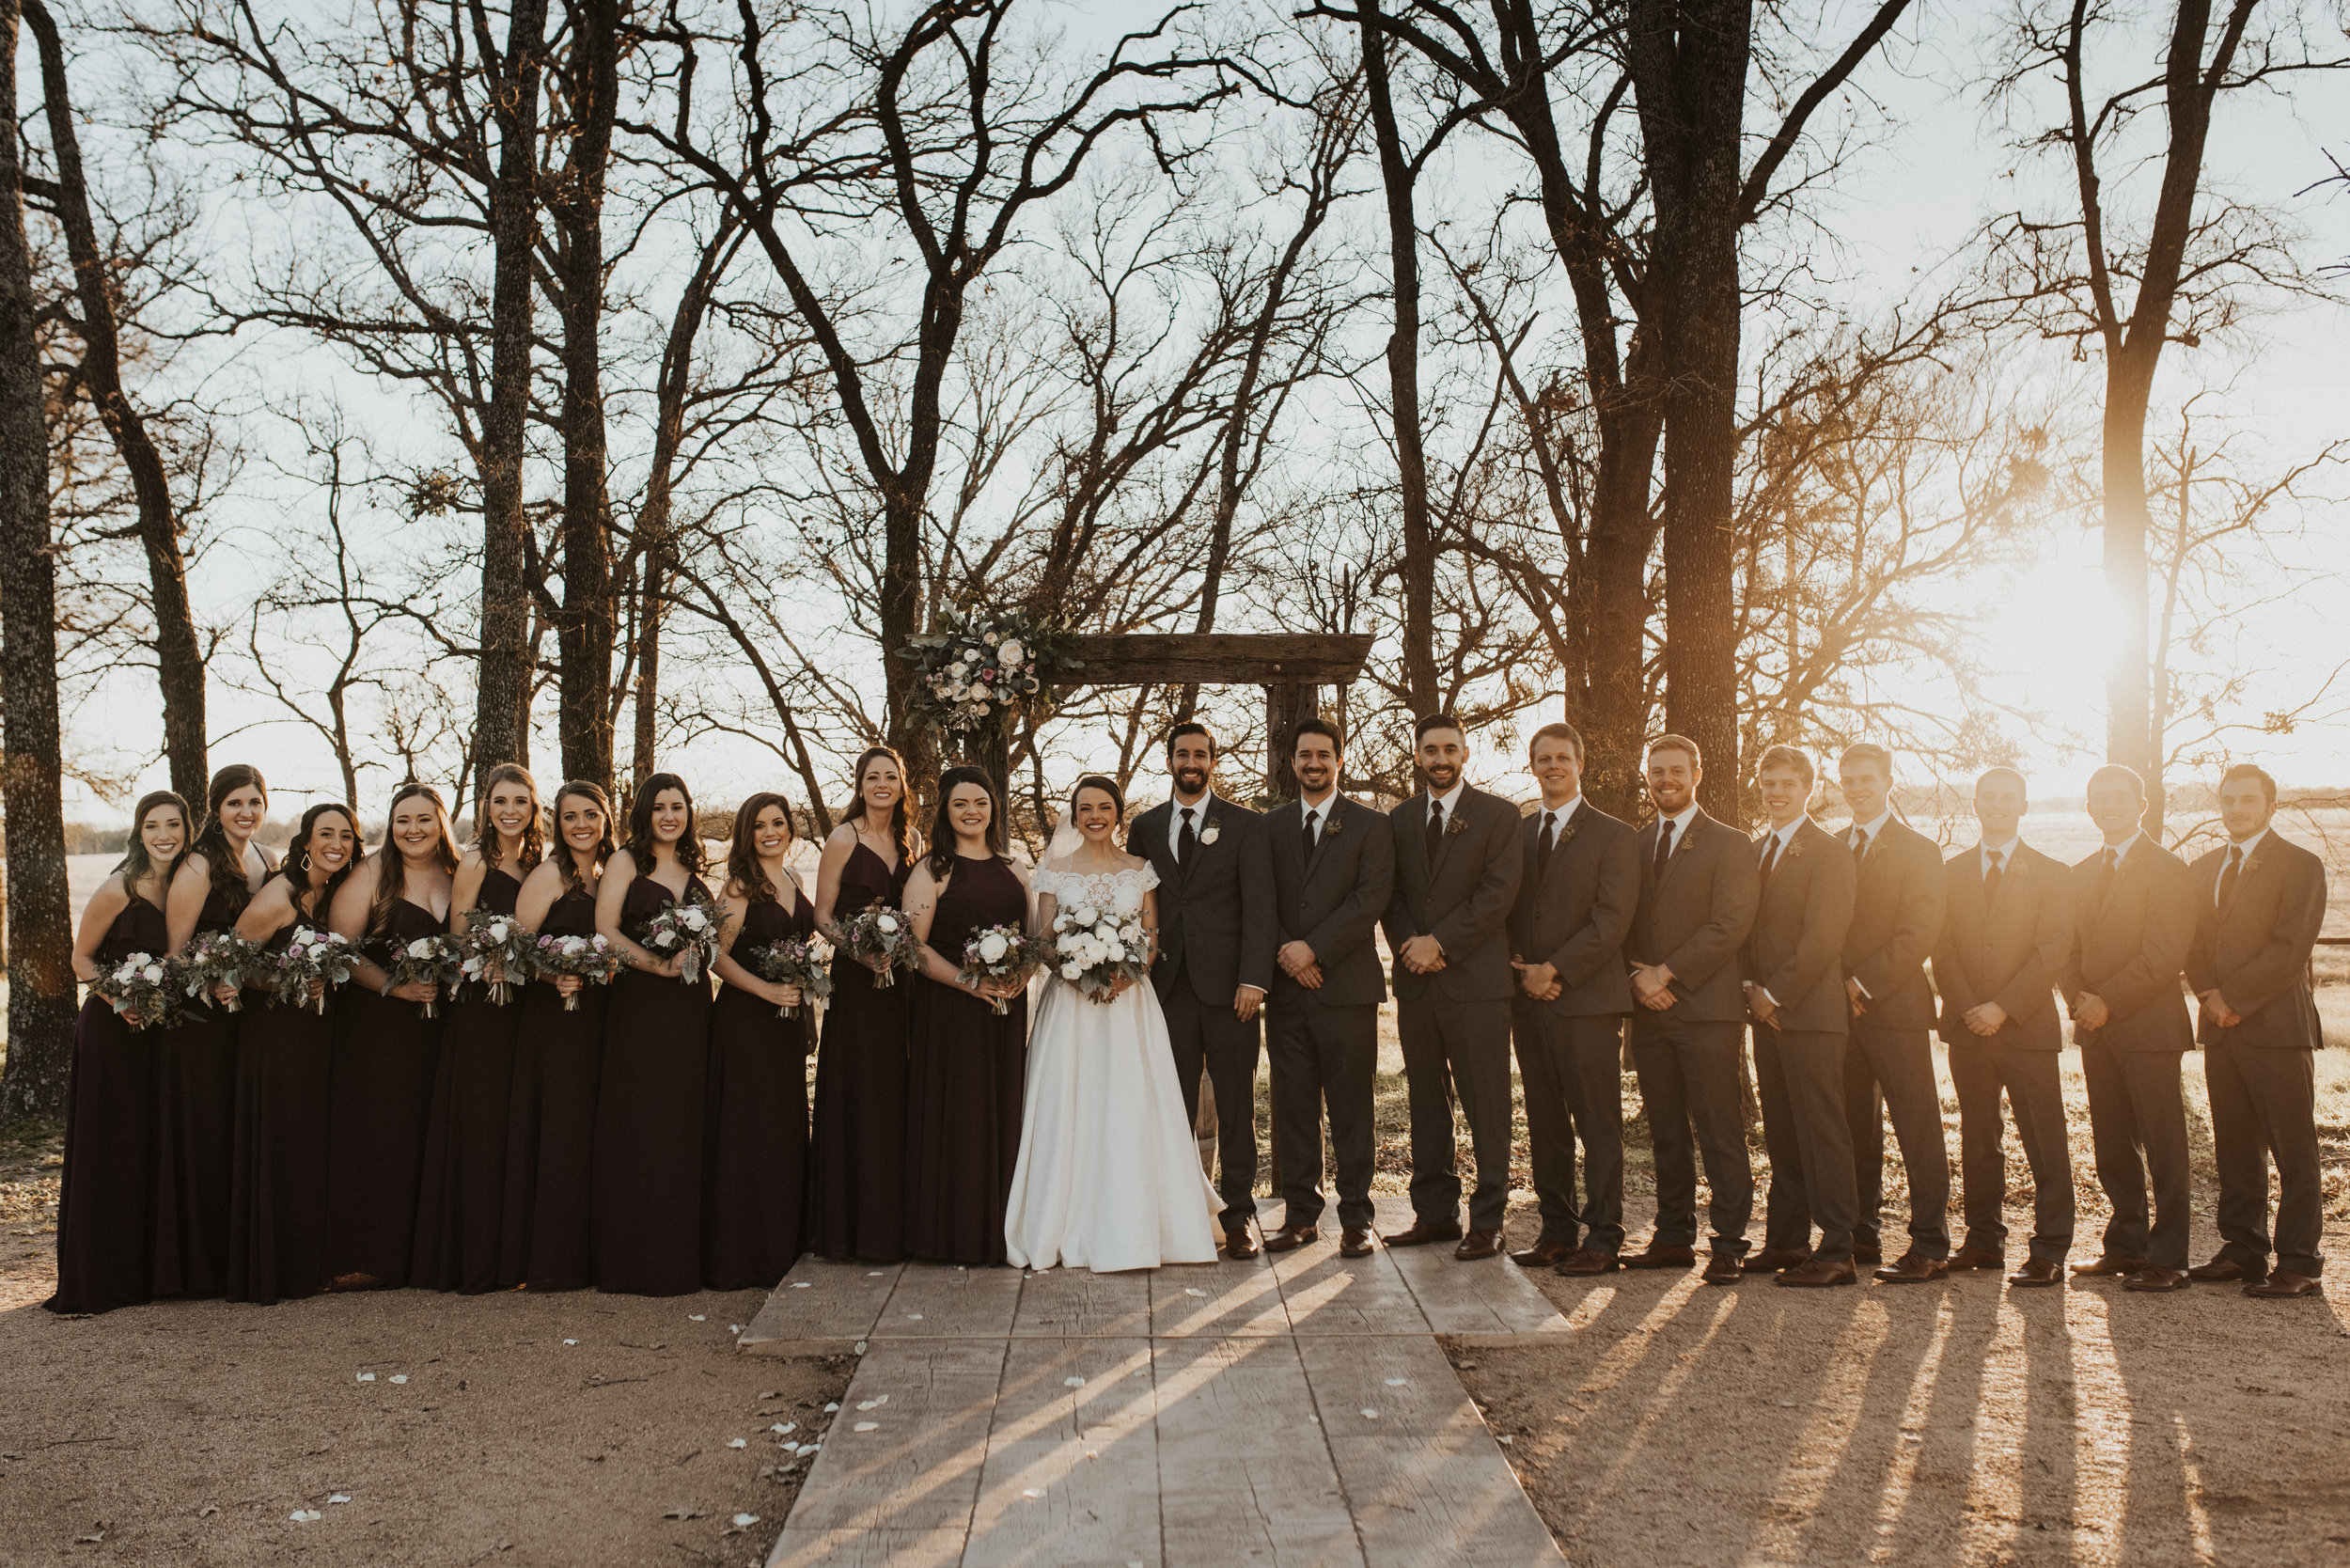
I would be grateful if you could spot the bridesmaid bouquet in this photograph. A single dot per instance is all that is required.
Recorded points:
(795, 960)
(1093, 948)
(494, 951)
(310, 957)
(136, 990)
(884, 937)
(591, 958)
(438, 960)
(1000, 953)
(687, 931)
(215, 959)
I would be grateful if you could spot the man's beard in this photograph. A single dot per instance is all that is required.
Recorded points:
(1442, 779)
(1192, 781)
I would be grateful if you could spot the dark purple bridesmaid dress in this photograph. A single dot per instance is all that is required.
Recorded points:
(385, 1055)
(645, 1206)
(460, 1204)
(195, 1135)
(755, 1185)
(550, 1125)
(278, 1199)
(105, 1214)
(967, 1072)
(858, 1166)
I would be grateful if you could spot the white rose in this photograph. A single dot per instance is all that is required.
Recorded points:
(695, 919)
(154, 973)
(886, 923)
(1085, 915)
(1010, 651)
(992, 946)
(1071, 969)
(420, 948)
(498, 931)
(1130, 933)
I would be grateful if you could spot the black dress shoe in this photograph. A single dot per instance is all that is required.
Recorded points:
(1357, 1244)
(1239, 1243)
(1478, 1244)
(1288, 1238)
(1420, 1233)
(1543, 1253)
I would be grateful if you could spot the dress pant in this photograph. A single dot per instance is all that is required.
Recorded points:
(1208, 1033)
(1981, 1069)
(1572, 1071)
(2264, 1104)
(1799, 1077)
(1889, 1073)
(2135, 1103)
(1689, 1078)
(1458, 1048)
(1323, 1057)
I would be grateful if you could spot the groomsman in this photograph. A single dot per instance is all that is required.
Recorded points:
(2133, 920)
(1457, 865)
(1333, 872)
(1794, 990)
(1700, 883)
(2261, 901)
(1216, 956)
(1889, 1066)
(2007, 925)
(1578, 891)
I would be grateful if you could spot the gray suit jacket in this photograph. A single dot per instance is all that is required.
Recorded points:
(1694, 917)
(1575, 916)
(1796, 948)
(2255, 949)
(1896, 920)
(2129, 949)
(1461, 899)
(1333, 901)
(2009, 949)
(1215, 910)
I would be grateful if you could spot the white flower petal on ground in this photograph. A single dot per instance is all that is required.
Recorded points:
(571, 1341)
(340, 1498)
(866, 1426)
(832, 1406)
(781, 1427)
(744, 1520)
(1396, 1382)
(366, 1377)
(304, 1515)
(1072, 1382)
(739, 1443)
(1369, 1414)
(399, 1377)
(696, 1317)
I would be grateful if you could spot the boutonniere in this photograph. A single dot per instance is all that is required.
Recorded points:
(1566, 835)
(2251, 866)
(1330, 824)
(1455, 825)
(1208, 835)
(1794, 848)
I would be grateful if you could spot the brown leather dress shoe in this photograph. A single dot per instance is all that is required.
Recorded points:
(1357, 1244)
(2038, 1271)
(1913, 1268)
(1288, 1238)
(2107, 1264)
(1724, 1268)
(1584, 1261)
(2283, 1283)
(1976, 1257)
(1543, 1253)
(1868, 1256)
(1772, 1259)
(2154, 1278)
(1820, 1271)
(2223, 1271)
(1423, 1231)
(1238, 1243)
(1479, 1244)
(1656, 1256)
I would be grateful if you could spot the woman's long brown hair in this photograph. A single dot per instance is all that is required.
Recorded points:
(689, 844)
(744, 866)
(391, 877)
(222, 864)
(296, 869)
(136, 863)
(573, 882)
(943, 854)
(485, 833)
(901, 817)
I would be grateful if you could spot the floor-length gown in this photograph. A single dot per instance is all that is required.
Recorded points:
(856, 1165)
(461, 1201)
(385, 1055)
(755, 1145)
(551, 1123)
(966, 1062)
(195, 1135)
(645, 1205)
(106, 1207)
(1108, 1174)
(277, 1197)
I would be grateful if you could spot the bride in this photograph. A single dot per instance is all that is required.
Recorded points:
(1108, 1176)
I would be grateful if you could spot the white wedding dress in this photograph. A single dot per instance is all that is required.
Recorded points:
(1109, 1177)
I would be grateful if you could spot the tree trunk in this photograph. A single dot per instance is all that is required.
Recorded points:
(178, 658)
(2130, 687)
(41, 934)
(648, 665)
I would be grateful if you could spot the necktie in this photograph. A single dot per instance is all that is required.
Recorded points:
(1186, 840)
(1546, 842)
(1435, 827)
(1664, 844)
(2228, 874)
(1770, 855)
(1860, 846)
(2104, 874)
(1306, 833)
(1991, 878)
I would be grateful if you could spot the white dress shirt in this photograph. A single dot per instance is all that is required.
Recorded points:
(1785, 836)
(1318, 813)
(2247, 846)
(1872, 828)
(1555, 817)
(2006, 852)
(1449, 800)
(1175, 823)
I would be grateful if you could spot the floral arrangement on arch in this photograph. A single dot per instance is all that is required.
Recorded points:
(978, 669)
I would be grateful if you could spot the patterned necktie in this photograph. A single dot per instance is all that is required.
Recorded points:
(1186, 840)
(1306, 833)
(2105, 873)
(1860, 846)
(2228, 874)
(1435, 827)
(1664, 844)
(1546, 842)
(1991, 878)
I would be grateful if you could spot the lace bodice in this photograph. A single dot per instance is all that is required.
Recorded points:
(1120, 890)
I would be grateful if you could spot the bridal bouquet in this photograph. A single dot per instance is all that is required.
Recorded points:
(1093, 948)
(137, 989)
(313, 957)
(1000, 953)
(437, 959)
(800, 961)
(687, 931)
(217, 957)
(884, 937)
(591, 958)
(494, 951)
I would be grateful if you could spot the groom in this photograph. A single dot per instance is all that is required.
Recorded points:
(1216, 937)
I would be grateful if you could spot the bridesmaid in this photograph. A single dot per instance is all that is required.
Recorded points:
(104, 1211)
(385, 1049)
(459, 1206)
(857, 1202)
(277, 1195)
(645, 1203)
(195, 1066)
(755, 1175)
(559, 1057)
(968, 1063)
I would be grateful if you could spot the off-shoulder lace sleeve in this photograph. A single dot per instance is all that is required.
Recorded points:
(1044, 880)
(1149, 876)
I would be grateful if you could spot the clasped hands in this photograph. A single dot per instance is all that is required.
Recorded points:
(1421, 955)
(1298, 961)
(2216, 1007)
(1652, 986)
(1538, 980)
